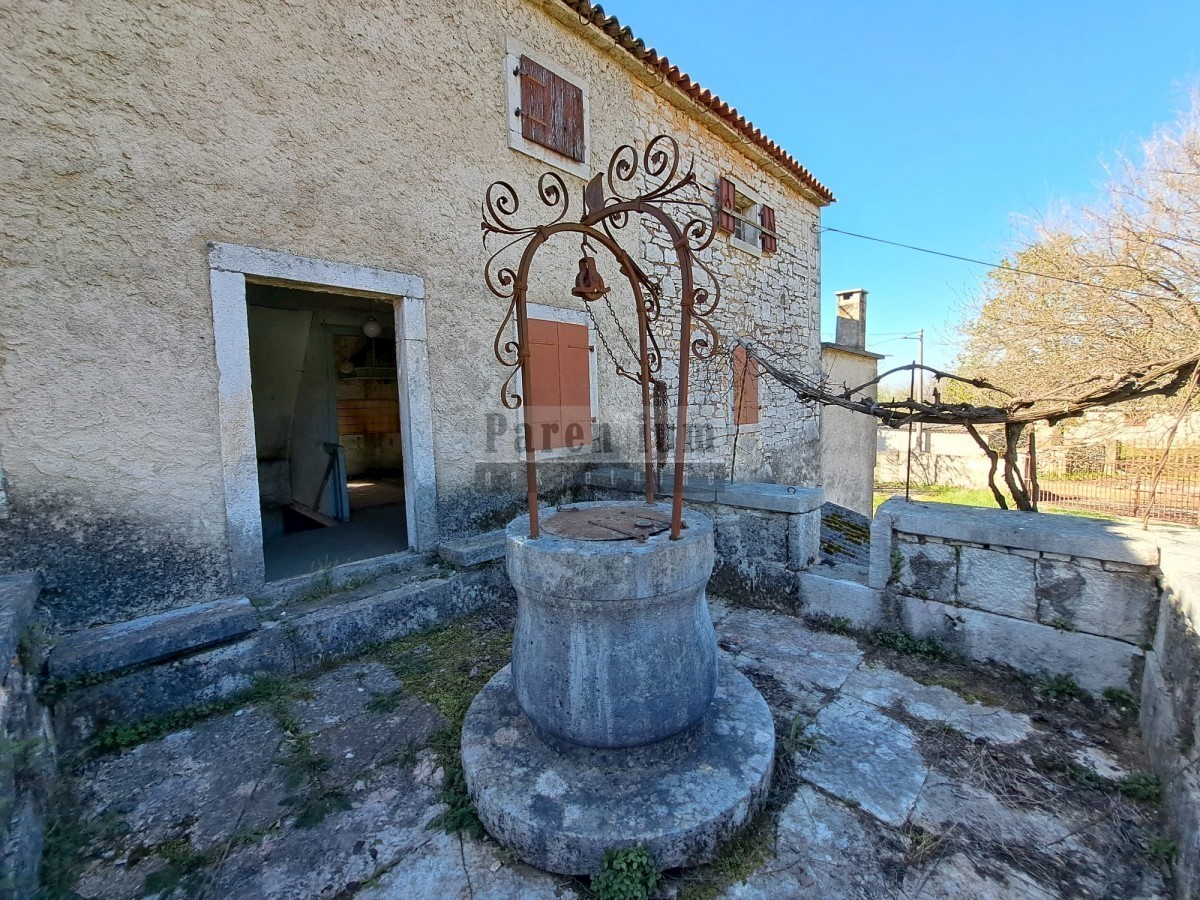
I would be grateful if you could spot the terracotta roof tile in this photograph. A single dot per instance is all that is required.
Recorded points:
(593, 14)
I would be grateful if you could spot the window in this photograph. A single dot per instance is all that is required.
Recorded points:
(745, 388)
(560, 406)
(748, 221)
(548, 111)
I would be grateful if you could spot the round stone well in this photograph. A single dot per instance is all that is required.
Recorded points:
(616, 723)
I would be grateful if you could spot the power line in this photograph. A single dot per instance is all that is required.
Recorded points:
(992, 265)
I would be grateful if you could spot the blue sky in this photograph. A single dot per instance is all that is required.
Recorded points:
(945, 125)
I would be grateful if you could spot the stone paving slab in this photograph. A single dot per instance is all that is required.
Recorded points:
(808, 665)
(867, 758)
(884, 688)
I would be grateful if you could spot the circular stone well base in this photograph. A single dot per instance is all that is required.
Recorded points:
(561, 809)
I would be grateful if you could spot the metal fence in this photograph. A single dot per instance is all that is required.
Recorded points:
(1115, 477)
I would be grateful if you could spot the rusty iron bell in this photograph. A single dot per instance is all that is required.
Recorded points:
(589, 285)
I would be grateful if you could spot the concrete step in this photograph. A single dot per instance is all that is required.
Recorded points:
(291, 638)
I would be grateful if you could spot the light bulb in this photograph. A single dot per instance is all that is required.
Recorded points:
(372, 328)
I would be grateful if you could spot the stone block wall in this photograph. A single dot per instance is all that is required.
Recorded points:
(1170, 704)
(1047, 595)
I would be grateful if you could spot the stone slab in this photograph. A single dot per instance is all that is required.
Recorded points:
(1119, 605)
(18, 593)
(864, 757)
(561, 812)
(837, 598)
(929, 571)
(804, 539)
(1044, 532)
(151, 639)
(823, 850)
(997, 582)
(772, 497)
(1094, 662)
(884, 688)
(808, 665)
(474, 550)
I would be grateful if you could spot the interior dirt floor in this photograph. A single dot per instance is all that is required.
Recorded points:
(900, 772)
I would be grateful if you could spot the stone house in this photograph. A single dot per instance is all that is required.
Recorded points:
(245, 328)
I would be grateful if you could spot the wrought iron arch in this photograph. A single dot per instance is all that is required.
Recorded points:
(607, 207)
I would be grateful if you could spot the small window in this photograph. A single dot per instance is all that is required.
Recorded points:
(560, 403)
(749, 222)
(547, 109)
(745, 388)
(551, 110)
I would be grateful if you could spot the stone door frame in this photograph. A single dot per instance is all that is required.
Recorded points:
(231, 266)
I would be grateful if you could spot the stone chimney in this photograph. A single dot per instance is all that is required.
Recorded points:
(852, 319)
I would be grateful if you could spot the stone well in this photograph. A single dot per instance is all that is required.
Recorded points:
(616, 724)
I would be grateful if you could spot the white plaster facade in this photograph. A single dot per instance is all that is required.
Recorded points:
(333, 139)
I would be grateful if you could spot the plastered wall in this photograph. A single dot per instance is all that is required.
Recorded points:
(848, 439)
(363, 133)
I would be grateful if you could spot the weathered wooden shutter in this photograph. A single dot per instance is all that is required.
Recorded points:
(745, 388)
(769, 242)
(559, 407)
(726, 205)
(551, 110)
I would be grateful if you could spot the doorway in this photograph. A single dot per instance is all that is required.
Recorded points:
(329, 445)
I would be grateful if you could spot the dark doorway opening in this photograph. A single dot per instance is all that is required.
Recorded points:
(327, 426)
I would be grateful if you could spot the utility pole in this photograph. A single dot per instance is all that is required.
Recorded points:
(919, 337)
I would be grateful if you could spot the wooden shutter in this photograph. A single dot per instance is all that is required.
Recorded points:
(769, 242)
(726, 205)
(551, 110)
(560, 404)
(745, 388)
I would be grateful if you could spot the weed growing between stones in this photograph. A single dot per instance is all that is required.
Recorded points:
(1061, 687)
(1158, 850)
(830, 624)
(447, 667)
(184, 868)
(269, 691)
(750, 848)
(1121, 700)
(901, 642)
(627, 874)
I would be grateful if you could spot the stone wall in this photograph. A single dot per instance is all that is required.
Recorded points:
(848, 438)
(1046, 594)
(769, 298)
(358, 133)
(1170, 707)
(27, 747)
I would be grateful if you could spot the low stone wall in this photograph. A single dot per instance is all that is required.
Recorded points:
(765, 534)
(151, 667)
(1045, 594)
(26, 742)
(1170, 707)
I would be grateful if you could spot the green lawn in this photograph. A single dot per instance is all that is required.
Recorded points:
(966, 497)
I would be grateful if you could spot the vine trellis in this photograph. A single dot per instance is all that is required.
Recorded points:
(608, 206)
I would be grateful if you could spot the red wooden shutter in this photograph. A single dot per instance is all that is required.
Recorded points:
(726, 205)
(745, 388)
(545, 391)
(574, 367)
(551, 110)
(769, 242)
(559, 408)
